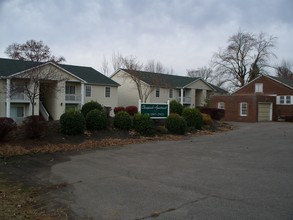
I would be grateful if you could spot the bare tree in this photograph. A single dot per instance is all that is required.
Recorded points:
(36, 82)
(285, 69)
(245, 57)
(205, 73)
(156, 67)
(105, 66)
(32, 51)
(116, 61)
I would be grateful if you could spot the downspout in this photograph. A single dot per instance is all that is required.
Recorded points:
(8, 93)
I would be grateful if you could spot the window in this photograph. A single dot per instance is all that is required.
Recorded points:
(70, 90)
(180, 93)
(243, 109)
(221, 105)
(88, 91)
(157, 92)
(107, 92)
(284, 100)
(288, 99)
(258, 87)
(170, 93)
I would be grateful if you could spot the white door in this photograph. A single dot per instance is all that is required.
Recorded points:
(265, 111)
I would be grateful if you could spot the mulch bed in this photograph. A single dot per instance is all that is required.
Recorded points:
(52, 140)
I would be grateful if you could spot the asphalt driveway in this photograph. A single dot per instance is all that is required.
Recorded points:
(246, 173)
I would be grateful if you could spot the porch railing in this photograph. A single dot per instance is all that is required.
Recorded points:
(72, 98)
(19, 97)
(186, 100)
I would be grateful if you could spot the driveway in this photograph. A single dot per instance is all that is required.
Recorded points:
(246, 173)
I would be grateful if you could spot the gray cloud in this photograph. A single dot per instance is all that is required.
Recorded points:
(181, 34)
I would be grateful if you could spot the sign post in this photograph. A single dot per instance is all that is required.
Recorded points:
(155, 110)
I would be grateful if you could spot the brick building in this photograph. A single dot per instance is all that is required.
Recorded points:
(266, 98)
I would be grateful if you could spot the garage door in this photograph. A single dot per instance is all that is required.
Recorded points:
(264, 111)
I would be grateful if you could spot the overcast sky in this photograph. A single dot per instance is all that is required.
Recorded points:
(182, 34)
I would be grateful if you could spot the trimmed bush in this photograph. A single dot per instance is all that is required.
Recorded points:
(215, 113)
(207, 120)
(34, 126)
(131, 110)
(176, 124)
(122, 120)
(96, 120)
(176, 107)
(143, 124)
(118, 109)
(87, 107)
(6, 126)
(193, 117)
(72, 123)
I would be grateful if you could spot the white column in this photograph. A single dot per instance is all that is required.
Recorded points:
(8, 93)
(181, 98)
(82, 94)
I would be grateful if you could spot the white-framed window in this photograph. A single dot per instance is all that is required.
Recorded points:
(285, 100)
(180, 93)
(88, 91)
(243, 108)
(70, 90)
(107, 92)
(157, 92)
(170, 93)
(221, 105)
(258, 87)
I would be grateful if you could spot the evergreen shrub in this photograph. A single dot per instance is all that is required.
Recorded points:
(72, 123)
(87, 107)
(193, 117)
(96, 120)
(143, 124)
(122, 120)
(176, 124)
(176, 107)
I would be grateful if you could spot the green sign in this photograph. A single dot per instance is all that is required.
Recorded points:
(155, 110)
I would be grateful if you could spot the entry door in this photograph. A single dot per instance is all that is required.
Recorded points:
(265, 111)
(17, 113)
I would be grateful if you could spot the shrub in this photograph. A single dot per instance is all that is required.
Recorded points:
(131, 110)
(87, 107)
(176, 107)
(34, 126)
(207, 120)
(215, 113)
(6, 126)
(118, 109)
(122, 120)
(176, 124)
(96, 120)
(193, 117)
(143, 124)
(72, 123)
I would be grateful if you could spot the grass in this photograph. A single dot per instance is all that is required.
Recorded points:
(21, 202)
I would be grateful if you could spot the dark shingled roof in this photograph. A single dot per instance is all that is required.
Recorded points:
(88, 74)
(285, 81)
(160, 79)
(219, 90)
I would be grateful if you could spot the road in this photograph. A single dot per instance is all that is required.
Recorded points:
(246, 173)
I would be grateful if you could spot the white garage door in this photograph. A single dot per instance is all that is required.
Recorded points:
(265, 111)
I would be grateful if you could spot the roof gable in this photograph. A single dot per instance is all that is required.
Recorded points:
(89, 75)
(282, 81)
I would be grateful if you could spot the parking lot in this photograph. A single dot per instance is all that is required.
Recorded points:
(246, 173)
